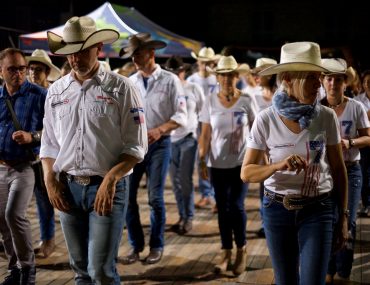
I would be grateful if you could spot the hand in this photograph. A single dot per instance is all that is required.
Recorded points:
(56, 192)
(295, 163)
(340, 234)
(22, 137)
(345, 144)
(104, 197)
(203, 169)
(154, 135)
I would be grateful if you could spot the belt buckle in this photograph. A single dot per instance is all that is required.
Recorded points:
(288, 206)
(82, 180)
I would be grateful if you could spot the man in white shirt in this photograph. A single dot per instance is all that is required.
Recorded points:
(94, 133)
(165, 110)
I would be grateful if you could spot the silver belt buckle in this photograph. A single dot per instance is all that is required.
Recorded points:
(288, 206)
(82, 180)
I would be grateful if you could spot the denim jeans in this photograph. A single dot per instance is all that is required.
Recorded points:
(181, 173)
(46, 214)
(341, 261)
(299, 241)
(93, 240)
(230, 192)
(155, 164)
(365, 168)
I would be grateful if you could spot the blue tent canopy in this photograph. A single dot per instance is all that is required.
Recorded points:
(127, 21)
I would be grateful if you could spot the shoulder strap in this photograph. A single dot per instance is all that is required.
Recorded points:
(16, 123)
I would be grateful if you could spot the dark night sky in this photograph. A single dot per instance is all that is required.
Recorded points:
(338, 26)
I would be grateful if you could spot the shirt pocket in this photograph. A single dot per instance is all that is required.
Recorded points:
(102, 114)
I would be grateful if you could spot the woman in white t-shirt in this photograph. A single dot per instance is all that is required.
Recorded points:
(302, 141)
(354, 129)
(226, 120)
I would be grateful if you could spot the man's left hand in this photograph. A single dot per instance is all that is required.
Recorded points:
(22, 137)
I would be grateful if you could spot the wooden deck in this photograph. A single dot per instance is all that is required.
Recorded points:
(190, 259)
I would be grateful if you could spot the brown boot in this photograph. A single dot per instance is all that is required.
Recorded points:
(240, 260)
(225, 261)
(47, 247)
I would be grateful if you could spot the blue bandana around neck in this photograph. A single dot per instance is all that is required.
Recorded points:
(293, 110)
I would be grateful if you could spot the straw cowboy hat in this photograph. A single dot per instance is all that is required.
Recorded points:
(339, 66)
(262, 63)
(298, 56)
(206, 54)
(79, 33)
(175, 64)
(39, 55)
(228, 64)
(139, 41)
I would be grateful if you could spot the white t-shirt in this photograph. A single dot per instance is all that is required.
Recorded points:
(354, 117)
(208, 84)
(230, 130)
(270, 134)
(364, 100)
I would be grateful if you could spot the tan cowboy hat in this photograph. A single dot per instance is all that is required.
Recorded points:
(206, 54)
(339, 66)
(39, 55)
(140, 40)
(262, 63)
(79, 33)
(298, 56)
(228, 64)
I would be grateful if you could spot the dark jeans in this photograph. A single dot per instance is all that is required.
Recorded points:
(365, 169)
(230, 192)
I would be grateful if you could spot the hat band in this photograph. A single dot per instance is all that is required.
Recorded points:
(72, 43)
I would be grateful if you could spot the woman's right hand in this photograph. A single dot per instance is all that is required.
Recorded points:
(293, 162)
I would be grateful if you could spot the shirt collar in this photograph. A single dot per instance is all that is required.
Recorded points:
(21, 91)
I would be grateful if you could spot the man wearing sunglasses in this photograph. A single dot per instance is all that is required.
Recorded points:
(18, 140)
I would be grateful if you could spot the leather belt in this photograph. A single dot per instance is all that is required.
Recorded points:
(85, 180)
(294, 201)
(351, 163)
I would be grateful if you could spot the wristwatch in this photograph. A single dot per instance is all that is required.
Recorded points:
(351, 143)
(36, 136)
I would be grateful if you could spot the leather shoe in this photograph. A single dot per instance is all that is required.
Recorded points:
(155, 255)
(132, 257)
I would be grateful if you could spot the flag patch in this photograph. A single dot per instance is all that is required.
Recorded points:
(138, 115)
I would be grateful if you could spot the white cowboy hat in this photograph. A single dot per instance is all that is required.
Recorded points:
(298, 56)
(262, 63)
(206, 54)
(39, 55)
(339, 66)
(79, 33)
(140, 40)
(228, 64)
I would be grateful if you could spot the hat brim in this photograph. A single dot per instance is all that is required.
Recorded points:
(184, 67)
(54, 71)
(240, 70)
(258, 69)
(205, 59)
(294, 67)
(60, 47)
(129, 50)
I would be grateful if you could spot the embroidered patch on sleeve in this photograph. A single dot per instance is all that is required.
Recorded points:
(138, 115)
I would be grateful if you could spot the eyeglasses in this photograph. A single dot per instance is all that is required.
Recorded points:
(36, 69)
(14, 69)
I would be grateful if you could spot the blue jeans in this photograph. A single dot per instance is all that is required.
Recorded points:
(181, 173)
(341, 261)
(46, 214)
(299, 241)
(230, 192)
(93, 240)
(365, 168)
(155, 164)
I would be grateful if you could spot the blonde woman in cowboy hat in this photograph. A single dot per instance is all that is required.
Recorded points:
(306, 176)
(355, 133)
(165, 110)
(42, 71)
(94, 133)
(207, 81)
(226, 118)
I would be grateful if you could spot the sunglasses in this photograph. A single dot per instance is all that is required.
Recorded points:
(15, 69)
(36, 69)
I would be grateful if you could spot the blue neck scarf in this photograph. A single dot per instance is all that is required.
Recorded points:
(293, 110)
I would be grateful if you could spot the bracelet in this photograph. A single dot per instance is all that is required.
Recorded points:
(344, 212)
(351, 143)
(36, 136)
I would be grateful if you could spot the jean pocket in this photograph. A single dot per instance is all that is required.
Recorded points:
(267, 202)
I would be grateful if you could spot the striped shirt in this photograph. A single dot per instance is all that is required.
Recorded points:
(28, 104)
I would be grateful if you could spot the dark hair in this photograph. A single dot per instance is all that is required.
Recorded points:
(10, 51)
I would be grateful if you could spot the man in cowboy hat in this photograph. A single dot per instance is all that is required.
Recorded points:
(17, 178)
(42, 71)
(208, 81)
(94, 134)
(165, 110)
